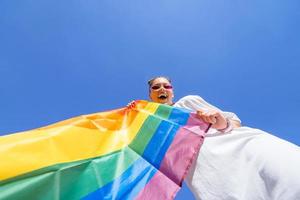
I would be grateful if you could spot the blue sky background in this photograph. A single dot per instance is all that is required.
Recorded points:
(60, 59)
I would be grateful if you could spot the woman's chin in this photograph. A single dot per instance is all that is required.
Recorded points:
(165, 101)
(162, 101)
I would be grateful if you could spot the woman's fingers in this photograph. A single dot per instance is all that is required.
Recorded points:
(132, 104)
(213, 117)
(207, 116)
(200, 114)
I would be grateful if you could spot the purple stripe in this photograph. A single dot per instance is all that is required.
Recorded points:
(159, 187)
(197, 125)
(184, 149)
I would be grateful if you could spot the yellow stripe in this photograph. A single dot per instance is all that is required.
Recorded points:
(24, 152)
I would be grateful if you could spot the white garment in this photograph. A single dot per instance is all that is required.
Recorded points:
(245, 164)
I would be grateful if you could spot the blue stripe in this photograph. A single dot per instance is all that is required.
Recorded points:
(185, 110)
(128, 185)
(163, 137)
(179, 116)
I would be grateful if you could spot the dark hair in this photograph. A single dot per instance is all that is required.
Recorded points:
(150, 82)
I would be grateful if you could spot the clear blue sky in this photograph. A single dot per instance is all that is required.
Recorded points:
(60, 59)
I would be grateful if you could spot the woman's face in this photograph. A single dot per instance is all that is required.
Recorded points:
(161, 91)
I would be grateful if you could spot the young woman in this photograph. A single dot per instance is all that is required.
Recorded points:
(161, 91)
(245, 164)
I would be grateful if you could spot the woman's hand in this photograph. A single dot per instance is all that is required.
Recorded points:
(131, 105)
(213, 117)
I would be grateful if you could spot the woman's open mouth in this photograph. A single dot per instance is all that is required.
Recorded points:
(163, 96)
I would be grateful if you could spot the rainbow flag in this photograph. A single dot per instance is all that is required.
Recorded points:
(138, 153)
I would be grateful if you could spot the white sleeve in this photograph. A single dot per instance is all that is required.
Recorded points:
(194, 102)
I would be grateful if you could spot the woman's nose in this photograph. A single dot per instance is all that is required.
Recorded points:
(161, 88)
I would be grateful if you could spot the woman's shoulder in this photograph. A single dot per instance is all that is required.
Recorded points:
(191, 102)
(191, 98)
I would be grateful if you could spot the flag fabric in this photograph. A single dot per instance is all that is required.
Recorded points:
(129, 153)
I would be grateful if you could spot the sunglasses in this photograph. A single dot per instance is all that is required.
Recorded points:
(157, 87)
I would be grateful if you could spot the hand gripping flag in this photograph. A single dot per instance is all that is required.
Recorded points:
(130, 153)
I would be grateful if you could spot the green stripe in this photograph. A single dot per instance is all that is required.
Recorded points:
(163, 111)
(76, 179)
(68, 180)
(149, 127)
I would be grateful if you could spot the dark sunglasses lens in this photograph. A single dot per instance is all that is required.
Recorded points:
(155, 87)
(168, 87)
